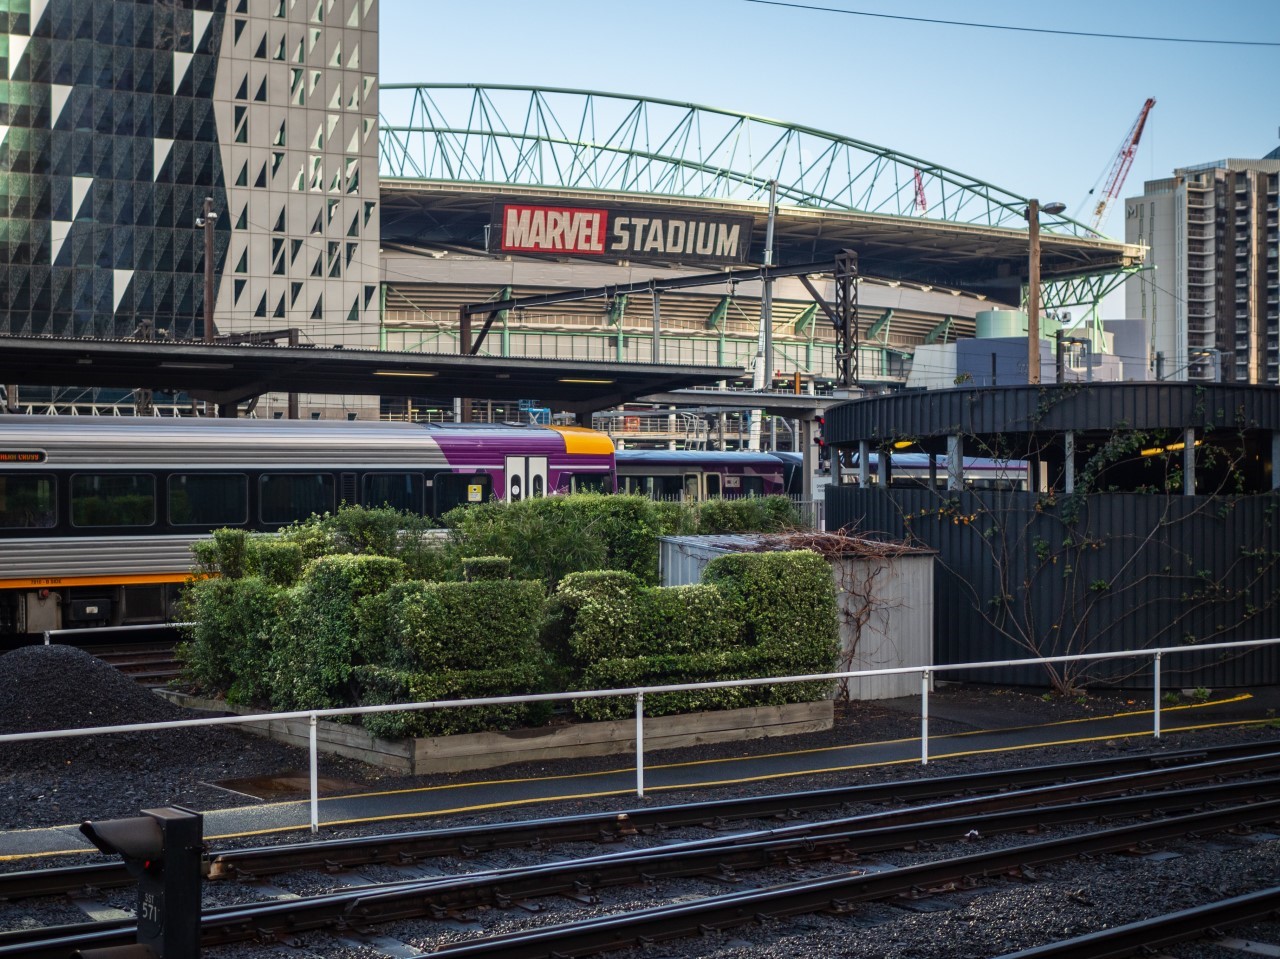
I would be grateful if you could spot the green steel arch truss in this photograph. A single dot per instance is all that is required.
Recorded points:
(582, 139)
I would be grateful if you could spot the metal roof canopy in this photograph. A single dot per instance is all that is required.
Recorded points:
(974, 258)
(227, 374)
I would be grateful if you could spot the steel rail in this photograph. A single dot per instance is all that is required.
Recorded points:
(839, 893)
(786, 846)
(398, 848)
(1148, 934)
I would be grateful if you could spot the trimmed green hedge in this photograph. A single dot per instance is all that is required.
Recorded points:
(453, 641)
(229, 647)
(756, 615)
(316, 645)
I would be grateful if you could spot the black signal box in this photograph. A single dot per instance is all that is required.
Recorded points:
(162, 849)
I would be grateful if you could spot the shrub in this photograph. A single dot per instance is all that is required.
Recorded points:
(277, 561)
(225, 553)
(486, 567)
(362, 531)
(381, 686)
(316, 647)
(229, 647)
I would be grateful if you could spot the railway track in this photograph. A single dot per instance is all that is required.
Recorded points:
(1192, 798)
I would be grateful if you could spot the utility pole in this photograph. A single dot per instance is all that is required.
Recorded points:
(1033, 292)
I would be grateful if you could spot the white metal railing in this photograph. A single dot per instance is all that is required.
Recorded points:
(638, 693)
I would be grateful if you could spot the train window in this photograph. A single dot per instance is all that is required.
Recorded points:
(113, 499)
(713, 484)
(585, 482)
(751, 486)
(27, 501)
(289, 497)
(402, 491)
(460, 489)
(208, 499)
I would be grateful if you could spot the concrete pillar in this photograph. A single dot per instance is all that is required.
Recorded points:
(1189, 463)
(955, 462)
(1069, 462)
(864, 468)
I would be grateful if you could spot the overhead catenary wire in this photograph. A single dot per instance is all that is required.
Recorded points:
(1003, 26)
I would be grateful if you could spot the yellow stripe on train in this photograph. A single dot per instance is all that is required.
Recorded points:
(132, 579)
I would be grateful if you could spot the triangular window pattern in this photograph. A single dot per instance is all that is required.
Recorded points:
(279, 140)
(279, 54)
(317, 269)
(260, 181)
(369, 293)
(242, 264)
(261, 52)
(261, 309)
(279, 310)
(318, 227)
(353, 315)
(318, 312)
(295, 291)
(242, 92)
(354, 228)
(295, 247)
(352, 248)
(242, 221)
(261, 95)
(278, 227)
(237, 287)
(242, 178)
(239, 29)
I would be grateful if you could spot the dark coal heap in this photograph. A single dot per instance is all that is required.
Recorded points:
(62, 687)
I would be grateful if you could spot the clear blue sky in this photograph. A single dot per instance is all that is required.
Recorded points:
(1036, 114)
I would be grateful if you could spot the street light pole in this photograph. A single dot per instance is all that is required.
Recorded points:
(1033, 292)
(1032, 213)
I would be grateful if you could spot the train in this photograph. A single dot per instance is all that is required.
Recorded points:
(916, 470)
(97, 515)
(704, 474)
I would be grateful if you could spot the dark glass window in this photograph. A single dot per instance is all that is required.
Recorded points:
(27, 501)
(402, 491)
(208, 499)
(747, 486)
(288, 497)
(585, 482)
(113, 499)
(460, 489)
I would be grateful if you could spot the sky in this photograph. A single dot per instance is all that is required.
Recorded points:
(1038, 114)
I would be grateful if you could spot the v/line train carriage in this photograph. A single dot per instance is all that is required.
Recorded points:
(704, 474)
(97, 515)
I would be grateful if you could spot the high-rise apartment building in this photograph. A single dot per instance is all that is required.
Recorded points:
(1212, 301)
(119, 117)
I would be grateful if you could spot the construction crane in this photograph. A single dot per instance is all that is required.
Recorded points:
(1120, 167)
(922, 203)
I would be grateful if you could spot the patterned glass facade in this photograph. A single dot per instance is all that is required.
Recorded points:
(118, 118)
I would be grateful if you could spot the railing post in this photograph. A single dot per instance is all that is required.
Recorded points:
(46, 637)
(640, 744)
(924, 717)
(315, 778)
(1156, 684)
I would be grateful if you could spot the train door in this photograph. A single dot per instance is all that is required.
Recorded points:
(692, 487)
(526, 476)
(713, 485)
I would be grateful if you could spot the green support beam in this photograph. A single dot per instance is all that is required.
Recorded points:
(715, 319)
(940, 333)
(804, 319)
(879, 330)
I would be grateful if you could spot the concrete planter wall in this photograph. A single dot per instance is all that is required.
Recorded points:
(486, 750)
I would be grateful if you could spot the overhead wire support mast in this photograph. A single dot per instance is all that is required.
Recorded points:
(1120, 167)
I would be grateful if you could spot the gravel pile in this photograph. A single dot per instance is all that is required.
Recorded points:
(55, 781)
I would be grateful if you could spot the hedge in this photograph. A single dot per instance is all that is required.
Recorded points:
(756, 615)
(229, 647)
(380, 686)
(316, 645)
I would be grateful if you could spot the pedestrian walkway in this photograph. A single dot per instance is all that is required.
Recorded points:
(487, 794)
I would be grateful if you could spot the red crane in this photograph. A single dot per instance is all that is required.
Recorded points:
(1120, 168)
(922, 203)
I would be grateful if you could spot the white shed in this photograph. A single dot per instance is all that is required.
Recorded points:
(884, 593)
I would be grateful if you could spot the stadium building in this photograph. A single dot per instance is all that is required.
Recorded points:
(370, 216)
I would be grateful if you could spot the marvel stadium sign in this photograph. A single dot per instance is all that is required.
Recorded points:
(619, 234)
